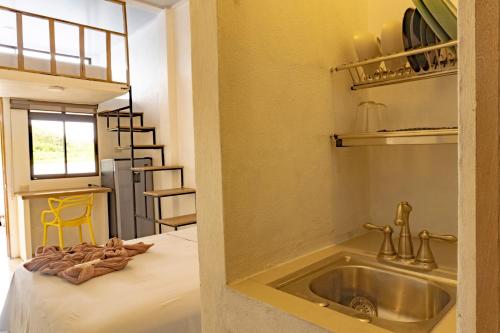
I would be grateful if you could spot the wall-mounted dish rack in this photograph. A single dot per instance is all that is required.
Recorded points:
(402, 137)
(445, 63)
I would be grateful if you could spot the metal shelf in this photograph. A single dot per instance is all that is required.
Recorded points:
(418, 137)
(443, 65)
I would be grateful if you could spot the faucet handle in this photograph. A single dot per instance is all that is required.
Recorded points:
(371, 226)
(447, 238)
(387, 250)
(424, 254)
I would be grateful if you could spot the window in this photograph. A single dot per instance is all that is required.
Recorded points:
(62, 144)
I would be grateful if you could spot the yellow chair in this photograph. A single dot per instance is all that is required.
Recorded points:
(57, 206)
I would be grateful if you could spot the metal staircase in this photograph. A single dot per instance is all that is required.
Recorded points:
(155, 194)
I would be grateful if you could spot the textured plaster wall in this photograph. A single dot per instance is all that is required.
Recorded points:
(270, 185)
(287, 191)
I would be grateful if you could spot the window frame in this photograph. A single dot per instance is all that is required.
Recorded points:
(64, 117)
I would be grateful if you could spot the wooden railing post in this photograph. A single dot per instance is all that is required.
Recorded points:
(125, 31)
(52, 35)
(20, 47)
(82, 52)
(108, 57)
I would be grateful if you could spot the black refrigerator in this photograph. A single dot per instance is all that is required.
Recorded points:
(116, 174)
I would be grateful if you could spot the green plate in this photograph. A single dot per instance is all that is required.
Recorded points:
(431, 21)
(452, 7)
(443, 15)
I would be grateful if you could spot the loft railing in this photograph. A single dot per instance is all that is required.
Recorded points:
(106, 58)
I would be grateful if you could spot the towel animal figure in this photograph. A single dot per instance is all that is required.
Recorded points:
(82, 262)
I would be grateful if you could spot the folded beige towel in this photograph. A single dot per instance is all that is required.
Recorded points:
(80, 274)
(80, 263)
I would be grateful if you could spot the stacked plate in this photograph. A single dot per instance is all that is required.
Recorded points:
(431, 22)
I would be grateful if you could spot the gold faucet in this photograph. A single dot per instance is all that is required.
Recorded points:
(405, 244)
(405, 255)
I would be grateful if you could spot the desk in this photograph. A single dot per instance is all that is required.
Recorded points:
(63, 192)
(24, 211)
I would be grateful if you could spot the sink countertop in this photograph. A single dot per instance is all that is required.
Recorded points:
(257, 286)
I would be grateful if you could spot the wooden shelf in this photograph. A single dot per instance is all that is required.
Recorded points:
(178, 221)
(139, 129)
(121, 114)
(158, 168)
(62, 192)
(417, 137)
(141, 147)
(170, 192)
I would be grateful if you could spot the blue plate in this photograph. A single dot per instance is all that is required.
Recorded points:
(416, 42)
(407, 27)
(429, 38)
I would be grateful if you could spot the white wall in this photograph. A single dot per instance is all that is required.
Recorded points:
(160, 66)
(148, 77)
(19, 179)
(426, 176)
(180, 95)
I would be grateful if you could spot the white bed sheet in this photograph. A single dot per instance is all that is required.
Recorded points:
(157, 292)
(190, 233)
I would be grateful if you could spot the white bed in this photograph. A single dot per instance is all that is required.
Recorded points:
(157, 292)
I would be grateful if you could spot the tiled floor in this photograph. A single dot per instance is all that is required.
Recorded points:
(7, 267)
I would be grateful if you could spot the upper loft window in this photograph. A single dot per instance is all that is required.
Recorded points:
(62, 144)
(84, 39)
(103, 14)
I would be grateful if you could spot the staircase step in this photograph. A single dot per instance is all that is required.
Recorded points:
(158, 168)
(112, 114)
(142, 147)
(169, 192)
(178, 221)
(135, 129)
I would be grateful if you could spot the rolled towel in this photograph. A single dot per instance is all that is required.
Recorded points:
(81, 273)
(41, 262)
(137, 248)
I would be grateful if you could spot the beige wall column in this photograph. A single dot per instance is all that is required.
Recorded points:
(208, 155)
(478, 304)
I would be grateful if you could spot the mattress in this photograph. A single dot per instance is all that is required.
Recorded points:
(158, 291)
(43, 65)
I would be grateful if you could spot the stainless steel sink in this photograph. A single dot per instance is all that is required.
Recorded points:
(388, 297)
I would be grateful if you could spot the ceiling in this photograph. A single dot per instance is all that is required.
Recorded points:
(159, 3)
(35, 86)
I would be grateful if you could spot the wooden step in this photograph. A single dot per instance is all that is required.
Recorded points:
(142, 147)
(113, 114)
(169, 192)
(158, 168)
(178, 221)
(141, 129)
